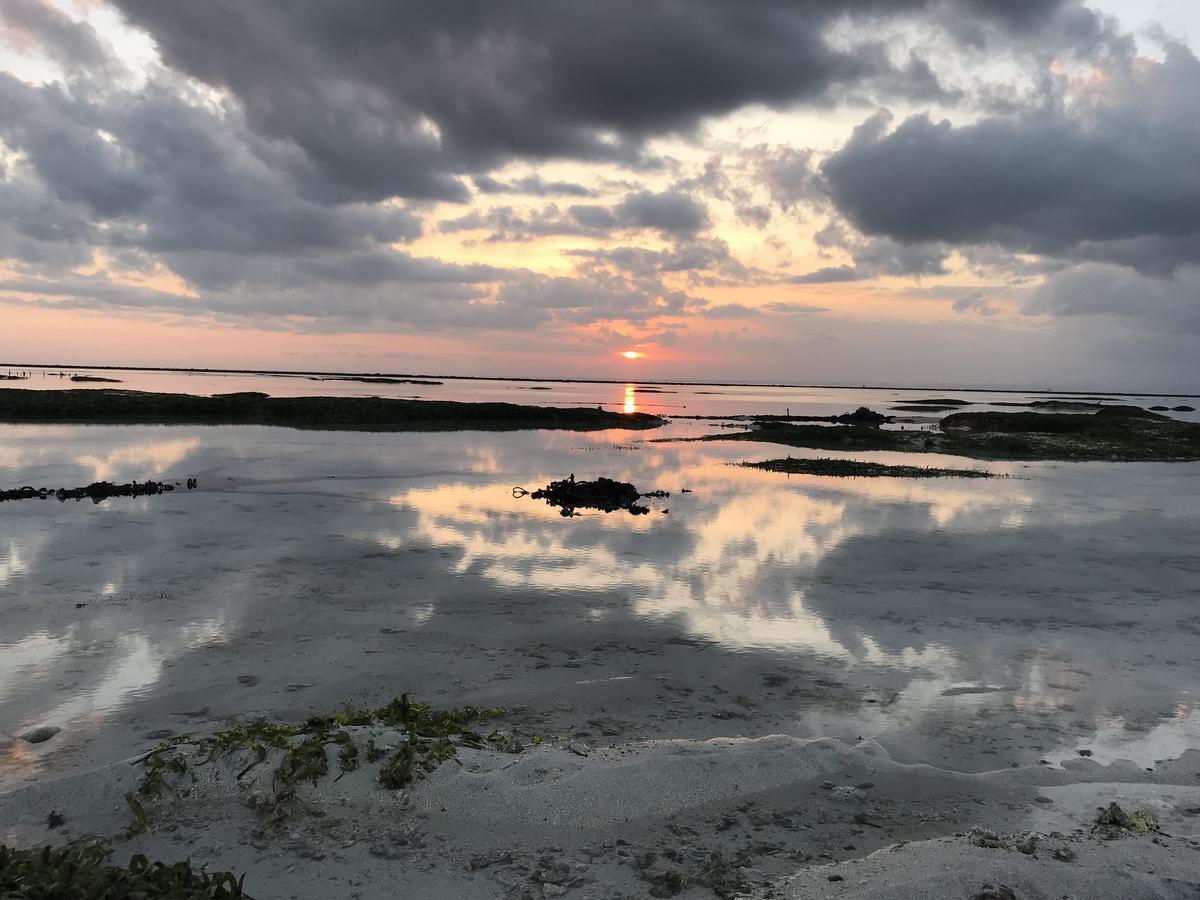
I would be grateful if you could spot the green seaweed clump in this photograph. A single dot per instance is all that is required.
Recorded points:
(430, 738)
(82, 871)
(1112, 820)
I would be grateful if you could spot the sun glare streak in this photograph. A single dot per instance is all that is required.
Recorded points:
(630, 399)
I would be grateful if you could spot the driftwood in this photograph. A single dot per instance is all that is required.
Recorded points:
(603, 494)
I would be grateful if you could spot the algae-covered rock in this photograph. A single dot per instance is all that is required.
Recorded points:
(1114, 819)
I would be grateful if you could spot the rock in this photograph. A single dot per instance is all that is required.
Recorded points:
(247, 680)
(42, 734)
(1027, 843)
(990, 892)
(863, 416)
(667, 883)
(1183, 409)
(1064, 854)
(1084, 753)
(981, 837)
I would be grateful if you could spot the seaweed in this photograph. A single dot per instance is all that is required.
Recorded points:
(83, 870)
(431, 738)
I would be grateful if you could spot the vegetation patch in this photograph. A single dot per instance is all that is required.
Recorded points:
(848, 468)
(939, 401)
(915, 407)
(100, 406)
(373, 379)
(83, 871)
(1113, 820)
(301, 753)
(1112, 433)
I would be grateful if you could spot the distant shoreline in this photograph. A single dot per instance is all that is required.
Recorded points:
(524, 378)
(126, 407)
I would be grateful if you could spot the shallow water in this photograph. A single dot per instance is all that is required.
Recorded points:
(634, 396)
(965, 623)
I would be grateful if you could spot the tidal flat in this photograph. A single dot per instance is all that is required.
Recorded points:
(750, 688)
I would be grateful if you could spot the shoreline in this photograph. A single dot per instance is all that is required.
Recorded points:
(773, 816)
(126, 407)
(1069, 392)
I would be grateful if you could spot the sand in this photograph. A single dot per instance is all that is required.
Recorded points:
(976, 627)
(738, 815)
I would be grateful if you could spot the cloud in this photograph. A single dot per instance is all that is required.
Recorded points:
(1109, 175)
(73, 45)
(1169, 305)
(532, 185)
(694, 255)
(180, 176)
(877, 257)
(974, 301)
(398, 97)
(670, 213)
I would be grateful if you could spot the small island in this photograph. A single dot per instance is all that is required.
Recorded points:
(1114, 433)
(109, 406)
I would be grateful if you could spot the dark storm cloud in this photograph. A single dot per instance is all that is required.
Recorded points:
(396, 97)
(1111, 178)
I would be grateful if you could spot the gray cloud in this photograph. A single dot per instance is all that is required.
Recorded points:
(531, 185)
(689, 255)
(1108, 178)
(72, 45)
(357, 87)
(974, 301)
(670, 213)
(1170, 305)
(876, 257)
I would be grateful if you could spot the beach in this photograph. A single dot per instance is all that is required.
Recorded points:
(767, 680)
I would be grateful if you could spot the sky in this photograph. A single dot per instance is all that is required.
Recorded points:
(965, 193)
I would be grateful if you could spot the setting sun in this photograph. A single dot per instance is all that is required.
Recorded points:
(631, 354)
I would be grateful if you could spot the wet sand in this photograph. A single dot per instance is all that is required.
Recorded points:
(927, 634)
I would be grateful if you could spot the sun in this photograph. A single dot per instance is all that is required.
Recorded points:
(631, 354)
